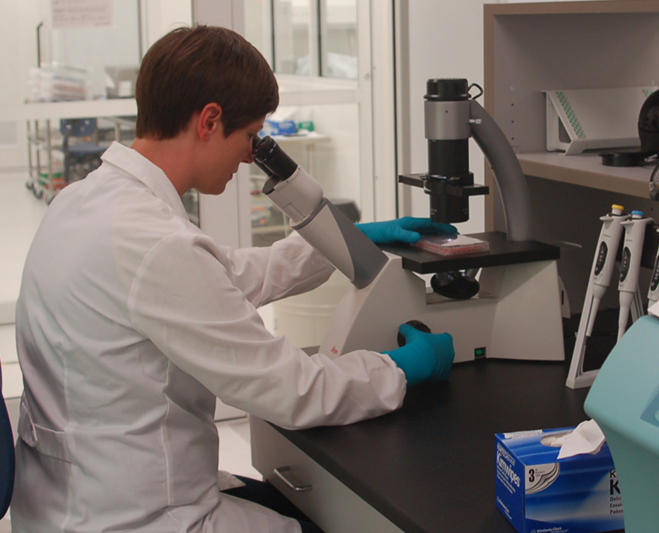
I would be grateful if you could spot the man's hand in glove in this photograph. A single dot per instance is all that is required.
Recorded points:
(425, 356)
(406, 229)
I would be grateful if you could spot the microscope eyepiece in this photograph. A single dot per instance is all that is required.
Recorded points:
(272, 159)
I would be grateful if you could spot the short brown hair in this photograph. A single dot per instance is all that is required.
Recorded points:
(191, 67)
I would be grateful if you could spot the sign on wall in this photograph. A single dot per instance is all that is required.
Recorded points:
(81, 13)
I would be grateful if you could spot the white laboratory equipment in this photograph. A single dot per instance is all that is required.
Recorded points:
(514, 311)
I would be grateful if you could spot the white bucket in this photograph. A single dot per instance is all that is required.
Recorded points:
(304, 319)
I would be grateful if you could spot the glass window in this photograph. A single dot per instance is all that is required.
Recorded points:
(338, 39)
(305, 37)
(310, 39)
(96, 48)
(258, 26)
(330, 153)
(292, 29)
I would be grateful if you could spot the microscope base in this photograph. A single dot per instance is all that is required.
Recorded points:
(516, 315)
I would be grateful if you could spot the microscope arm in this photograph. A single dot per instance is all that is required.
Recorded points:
(330, 232)
(507, 171)
(315, 218)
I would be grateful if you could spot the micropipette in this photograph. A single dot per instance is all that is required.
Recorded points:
(605, 258)
(600, 278)
(653, 292)
(630, 266)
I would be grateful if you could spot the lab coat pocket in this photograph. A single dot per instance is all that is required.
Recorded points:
(46, 441)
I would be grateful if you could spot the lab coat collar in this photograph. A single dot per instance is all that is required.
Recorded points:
(132, 162)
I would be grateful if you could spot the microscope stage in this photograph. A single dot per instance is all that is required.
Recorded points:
(502, 252)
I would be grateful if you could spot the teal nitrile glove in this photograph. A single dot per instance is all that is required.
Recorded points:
(425, 356)
(406, 229)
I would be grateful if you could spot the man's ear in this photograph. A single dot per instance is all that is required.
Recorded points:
(210, 121)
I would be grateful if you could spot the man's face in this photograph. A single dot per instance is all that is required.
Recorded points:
(226, 155)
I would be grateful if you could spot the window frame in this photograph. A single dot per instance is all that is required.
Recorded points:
(316, 34)
(374, 91)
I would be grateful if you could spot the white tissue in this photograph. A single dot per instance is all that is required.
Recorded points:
(587, 437)
(654, 309)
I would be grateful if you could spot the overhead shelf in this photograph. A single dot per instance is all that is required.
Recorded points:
(77, 109)
(291, 93)
(586, 170)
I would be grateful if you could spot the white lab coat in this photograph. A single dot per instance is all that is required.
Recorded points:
(130, 321)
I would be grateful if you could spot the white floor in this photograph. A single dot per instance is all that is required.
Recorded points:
(20, 215)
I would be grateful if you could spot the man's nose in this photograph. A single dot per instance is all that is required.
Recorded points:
(248, 157)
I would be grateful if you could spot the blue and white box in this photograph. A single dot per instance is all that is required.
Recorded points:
(280, 127)
(538, 493)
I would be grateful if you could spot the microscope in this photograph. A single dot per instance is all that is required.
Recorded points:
(503, 303)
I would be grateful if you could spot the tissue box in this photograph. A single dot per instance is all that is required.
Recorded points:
(280, 127)
(538, 493)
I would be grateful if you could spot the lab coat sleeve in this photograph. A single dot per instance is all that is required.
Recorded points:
(184, 301)
(290, 266)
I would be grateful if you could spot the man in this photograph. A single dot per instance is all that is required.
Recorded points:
(131, 320)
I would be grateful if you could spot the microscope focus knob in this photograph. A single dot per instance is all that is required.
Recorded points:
(416, 324)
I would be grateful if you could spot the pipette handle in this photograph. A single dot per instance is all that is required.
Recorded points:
(653, 291)
(600, 278)
(604, 262)
(607, 246)
(631, 264)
